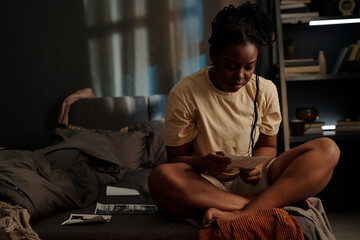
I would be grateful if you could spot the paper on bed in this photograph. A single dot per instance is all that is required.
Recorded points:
(86, 218)
(125, 208)
(245, 161)
(119, 191)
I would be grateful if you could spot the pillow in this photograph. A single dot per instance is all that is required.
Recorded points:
(155, 141)
(79, 128)
(131, 146)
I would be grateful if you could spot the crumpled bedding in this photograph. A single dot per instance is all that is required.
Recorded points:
(28, 179)
(62, 176)
(316, 214)
(14, 223)
(98, 150)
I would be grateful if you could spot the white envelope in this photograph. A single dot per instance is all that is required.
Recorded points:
(119, 191)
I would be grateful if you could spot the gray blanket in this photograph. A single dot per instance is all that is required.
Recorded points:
(62, 176)
(315, 214)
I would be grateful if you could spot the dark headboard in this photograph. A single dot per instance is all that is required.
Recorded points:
(116, 112)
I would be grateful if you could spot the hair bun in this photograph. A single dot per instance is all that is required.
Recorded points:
(248, 22)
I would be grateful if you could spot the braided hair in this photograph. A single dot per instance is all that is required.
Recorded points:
(244, 24)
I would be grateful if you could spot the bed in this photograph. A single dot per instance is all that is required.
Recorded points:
(110, 141)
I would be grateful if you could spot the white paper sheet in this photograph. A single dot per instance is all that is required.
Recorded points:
(86, 218)
(125, 208)
(244, 161)
(119, 191)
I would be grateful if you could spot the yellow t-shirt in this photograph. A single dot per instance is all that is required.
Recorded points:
(219, 121)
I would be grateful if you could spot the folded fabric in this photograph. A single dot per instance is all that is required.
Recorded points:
(44, 184)
(103, 157)
(315, 213)
(268, 223)
(14, 223)
(64, 113)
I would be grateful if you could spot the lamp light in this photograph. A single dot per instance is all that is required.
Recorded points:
(334, 21)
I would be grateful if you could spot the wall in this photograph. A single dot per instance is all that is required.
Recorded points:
(45, 58)
(44, 46)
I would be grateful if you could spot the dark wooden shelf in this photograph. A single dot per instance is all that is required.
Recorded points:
(320, 77)
(337, 17)
(331, 134)
(318, 88)
(322, 18)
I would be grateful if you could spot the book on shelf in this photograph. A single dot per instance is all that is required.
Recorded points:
(348, 123)
(302, 70)
(354, 50)
(313, 128)
(302, 66)
(314, 124)
(299, 15)
(301, 62)
(341, 60)
(294, 1)
(347, 126)
(294, 7)
(357, 58)
(302, 17)
(352, 65)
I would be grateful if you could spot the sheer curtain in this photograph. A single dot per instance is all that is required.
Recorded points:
(143, 47)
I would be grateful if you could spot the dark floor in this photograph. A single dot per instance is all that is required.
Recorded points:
(345, 225)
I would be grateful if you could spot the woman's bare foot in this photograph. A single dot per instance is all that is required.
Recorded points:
(212, 213)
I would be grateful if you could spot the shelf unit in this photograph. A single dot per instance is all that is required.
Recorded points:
(319, 77)
(284, 81)
(330, 134)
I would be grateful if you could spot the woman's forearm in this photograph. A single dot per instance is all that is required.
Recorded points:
(265, 151)
(195, 162)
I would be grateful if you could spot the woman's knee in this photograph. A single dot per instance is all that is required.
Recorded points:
(164, 176)
(328, 148)
(158, 175)
(167, 185)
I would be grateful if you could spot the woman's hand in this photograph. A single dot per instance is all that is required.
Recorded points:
(215, 163)
(251, 176)
(266, 146)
